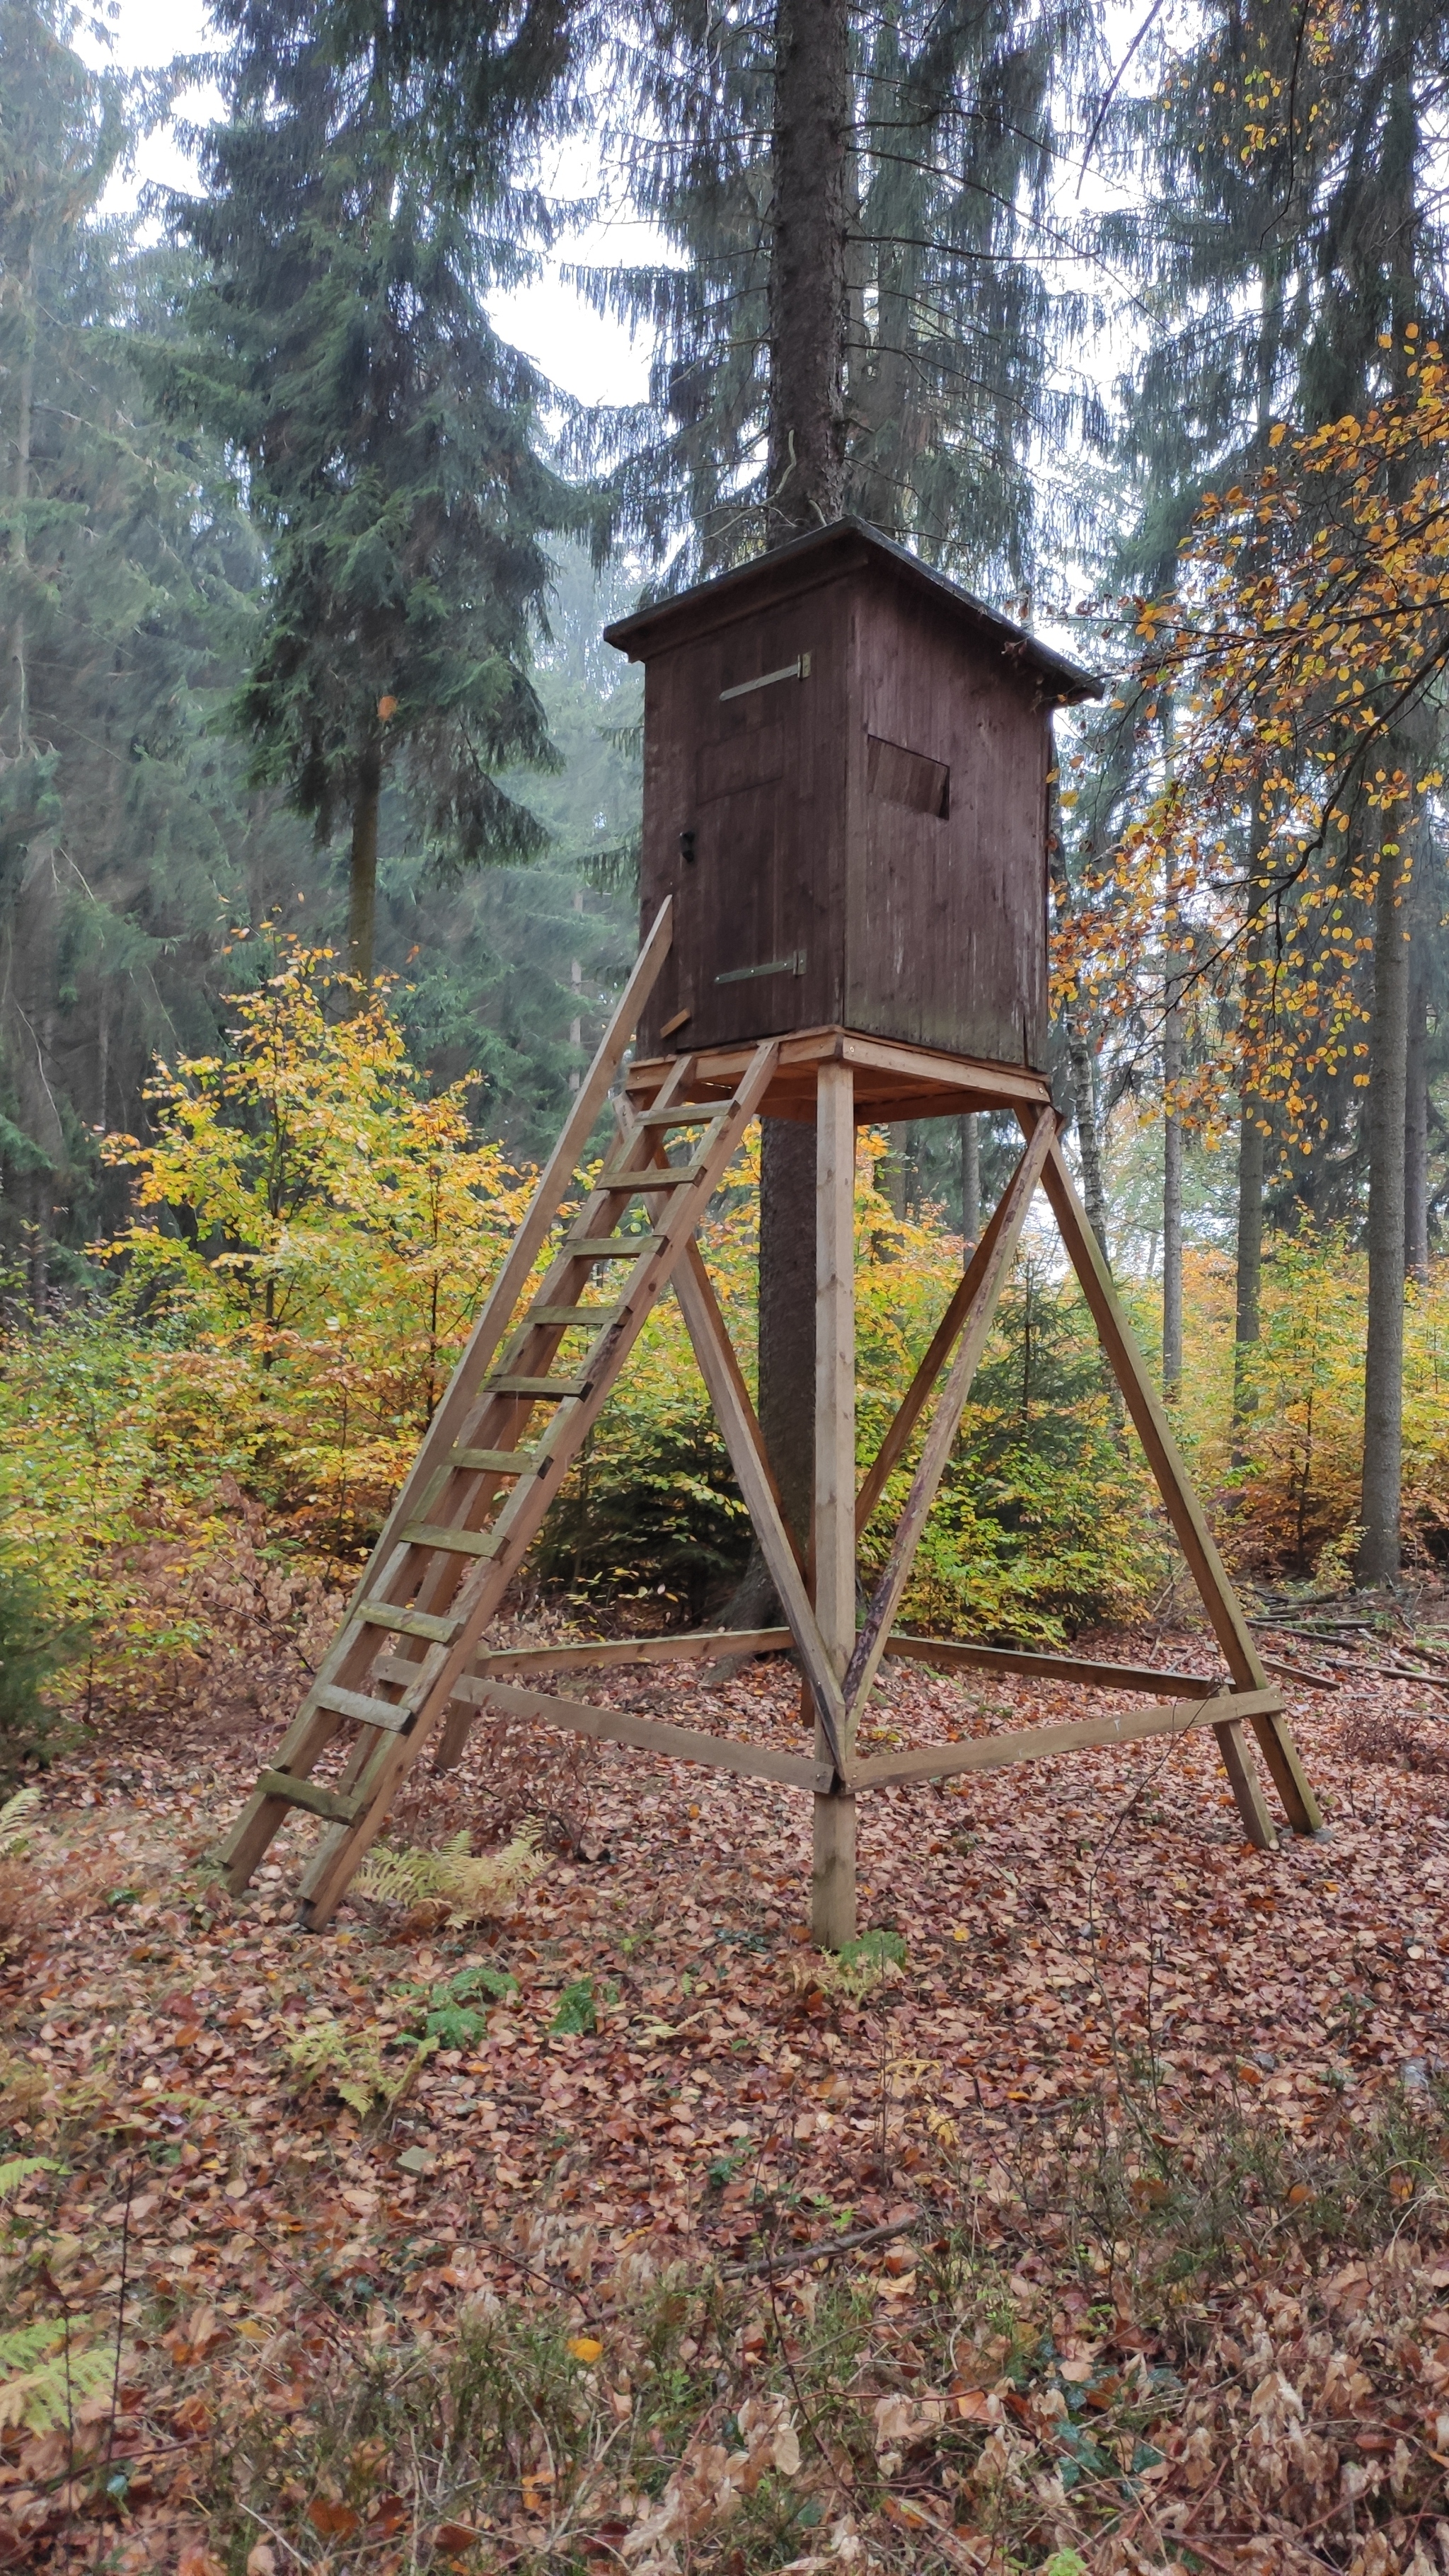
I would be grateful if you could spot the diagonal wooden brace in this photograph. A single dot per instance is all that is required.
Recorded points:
(870, 1645)
(1185, 1512)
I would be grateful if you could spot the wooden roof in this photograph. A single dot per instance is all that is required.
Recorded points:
(846, 545)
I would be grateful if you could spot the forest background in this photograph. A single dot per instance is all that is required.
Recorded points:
(319, 791)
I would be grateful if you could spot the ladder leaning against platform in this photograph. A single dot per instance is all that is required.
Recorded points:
(481, 1484)
(408, 1668)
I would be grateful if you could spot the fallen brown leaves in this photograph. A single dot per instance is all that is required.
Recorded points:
(1168, 2110)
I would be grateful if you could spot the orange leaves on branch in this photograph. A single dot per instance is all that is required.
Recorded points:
(1309, 620)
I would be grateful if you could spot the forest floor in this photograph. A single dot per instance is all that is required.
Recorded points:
(1160, 2123)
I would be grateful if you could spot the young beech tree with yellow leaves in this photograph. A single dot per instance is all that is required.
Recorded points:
(1302, 652)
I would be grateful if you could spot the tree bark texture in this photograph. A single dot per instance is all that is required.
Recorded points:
(1378, 1554)
(806, 490)
(362, 870)
(25, 402)
(970, 1181)
(808, 299)
(1172, 1140)
(1416, 1095)
(1247, 1325)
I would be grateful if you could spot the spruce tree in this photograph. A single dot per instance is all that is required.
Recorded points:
(126, 834)
(389, 444)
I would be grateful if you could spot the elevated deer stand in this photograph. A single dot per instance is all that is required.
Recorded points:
(845, 886)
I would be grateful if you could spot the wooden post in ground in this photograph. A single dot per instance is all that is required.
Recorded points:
(832, 1893)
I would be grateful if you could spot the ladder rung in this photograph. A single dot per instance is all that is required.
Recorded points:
(570, 1315)
(559, 1388)
(407, 1623)
(492, 1462)
(609, 1247)
(691, 1113)
(305, 1793)
(659, 1176)
(391, 1715)
(455, 1542)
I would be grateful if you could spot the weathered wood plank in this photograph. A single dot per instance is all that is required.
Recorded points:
(720, 1371)
(1240, 1654)
(946, 1422)
(609, 1654)
(650, 1735)
(308, 1794)
(832, 1889)
(951, 1653)
(1041, 1743)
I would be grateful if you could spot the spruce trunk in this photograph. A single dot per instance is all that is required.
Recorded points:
(1378, 1554)
(970, 1181)
(806, 490)
(1172, 1068)
(1247, 1327)
(362, 872)
(1416, 1102)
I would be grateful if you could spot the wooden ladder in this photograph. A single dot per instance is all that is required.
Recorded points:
(482, 1482)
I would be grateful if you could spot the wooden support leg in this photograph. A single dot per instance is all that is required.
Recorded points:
(832, 1893)
(1275, 1739)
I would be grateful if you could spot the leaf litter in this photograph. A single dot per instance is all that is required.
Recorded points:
(497, 2243)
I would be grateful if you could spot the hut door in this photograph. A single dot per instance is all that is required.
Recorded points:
(742, 943)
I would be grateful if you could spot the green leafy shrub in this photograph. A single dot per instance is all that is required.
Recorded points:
(37, 1641)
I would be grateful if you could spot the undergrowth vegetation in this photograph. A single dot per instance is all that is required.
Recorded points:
(1123, 2337)
(313, 1232)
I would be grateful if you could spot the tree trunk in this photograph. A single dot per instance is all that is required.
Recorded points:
(1378, 1554)
(806, 477)
(25, 407)
(362, 872)
(808, 309)
(970, 1182)
(1247, 1326)
(1416, 1091)
(1172, 1067)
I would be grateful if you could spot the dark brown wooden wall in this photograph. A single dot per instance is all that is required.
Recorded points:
(760, 782)
(946, 944)
(875, 832)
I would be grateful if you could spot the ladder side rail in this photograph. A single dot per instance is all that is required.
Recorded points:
(517, 1268)
(392, 1756)
(505, 1419)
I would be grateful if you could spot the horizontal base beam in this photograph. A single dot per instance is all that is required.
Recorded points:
(947, 1655)
(704, 1645)
(649, 1735)
(1196, 1701)
(1040, 1743)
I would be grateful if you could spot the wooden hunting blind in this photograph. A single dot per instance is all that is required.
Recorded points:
(845, 791)
(844, 909)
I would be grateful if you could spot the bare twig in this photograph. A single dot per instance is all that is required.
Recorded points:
(799, 2255)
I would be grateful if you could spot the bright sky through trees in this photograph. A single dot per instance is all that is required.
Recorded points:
(589, 356)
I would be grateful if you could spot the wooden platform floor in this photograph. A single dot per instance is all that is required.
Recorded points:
(891, 1081)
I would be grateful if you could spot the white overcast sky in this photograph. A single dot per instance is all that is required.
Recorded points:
(593, 359)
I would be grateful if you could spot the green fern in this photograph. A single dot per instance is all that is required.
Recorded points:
(351, 2064)
(43, 2378)
(15, 2173)
(472, 1886)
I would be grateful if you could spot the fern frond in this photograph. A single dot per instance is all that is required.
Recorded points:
(15, 2173)
(43, 2377)
(13, 1815)
(487, 1884)
(352, 2065)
